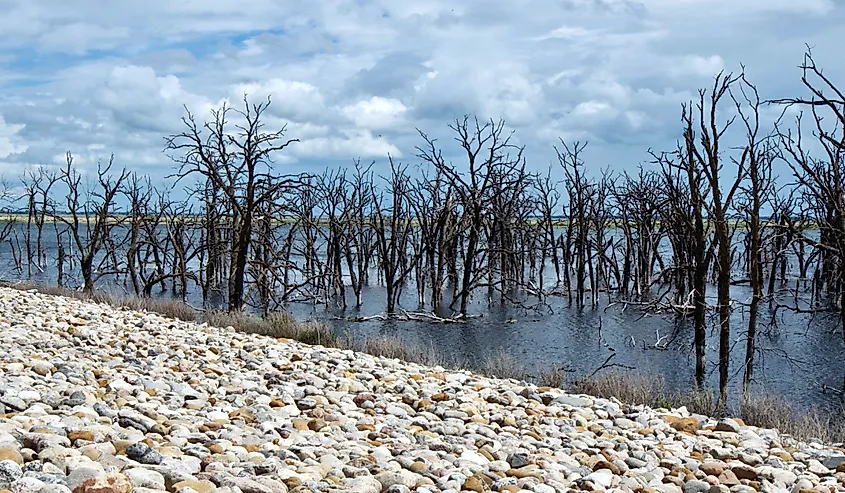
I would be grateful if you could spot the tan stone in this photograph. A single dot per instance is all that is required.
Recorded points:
(686, 425)
(12, 455)
(110, 483)
(198, 486)
(474, 483)
(712, 468)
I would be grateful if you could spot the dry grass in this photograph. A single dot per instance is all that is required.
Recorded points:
(168, 307)
(633, 388)
(770, 411)
(280, 325)
(501, 364)
(242, 322)
(647, 389)
(394, 348)
(698, 401)
(552, 377)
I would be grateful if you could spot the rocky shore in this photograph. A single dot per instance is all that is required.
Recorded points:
(99, 400)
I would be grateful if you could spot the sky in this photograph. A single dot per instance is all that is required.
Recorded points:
(355, 78)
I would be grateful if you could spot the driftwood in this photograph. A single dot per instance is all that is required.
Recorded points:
(414, 316)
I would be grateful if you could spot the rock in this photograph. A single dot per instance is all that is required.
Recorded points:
(363, 484)
(712, 468)
(727, 425)
(778, 476)
(572, 401)
(84, 473)
(10, 472)
(696, 486)
(602, 478)
(686, 425)
(109, 483)
(54, 488)
(817, 468)
(475, 483)
(248, 485)
(743, 471)
(42, 368)
(390, 478)
(518, 460)
(13, 403)
(194, 485)
(143, 478)
(728, 478)
(27, 485)
(142, 453)
(833, 461)
(12, 455)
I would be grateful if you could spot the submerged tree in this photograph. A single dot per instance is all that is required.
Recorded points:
(237, 161)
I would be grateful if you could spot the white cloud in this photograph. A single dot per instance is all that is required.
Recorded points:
(353, 79)
(353, 144)
(376, 113)
(297, 100)
(9, 141)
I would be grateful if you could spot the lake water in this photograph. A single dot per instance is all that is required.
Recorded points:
(799, 354)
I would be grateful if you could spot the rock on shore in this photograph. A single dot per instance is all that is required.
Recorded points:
(99, 400)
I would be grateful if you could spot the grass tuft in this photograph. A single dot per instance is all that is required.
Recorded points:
(770, 411)
(501, 364)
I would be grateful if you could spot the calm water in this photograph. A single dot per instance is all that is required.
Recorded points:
(798, 354)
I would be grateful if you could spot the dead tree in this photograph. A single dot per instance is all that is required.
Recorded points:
(392, 226)
(91, 217)
(487, 148)
(433, 203)
(821, 176)
(37, 185)
(237, 162)
(580, 194)
(756, 193)
(704, 153)
(548, 203)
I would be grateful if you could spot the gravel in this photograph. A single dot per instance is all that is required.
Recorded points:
(103, 400)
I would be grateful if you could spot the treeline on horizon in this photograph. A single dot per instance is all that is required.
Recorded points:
(485, 228)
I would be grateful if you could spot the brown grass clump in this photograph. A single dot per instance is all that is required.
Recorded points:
(501, 364)
(770, 411)
(279, 325)
(394, 348)
(633, 388)
(552, 377)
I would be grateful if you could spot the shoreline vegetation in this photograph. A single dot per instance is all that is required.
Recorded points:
(763, 410)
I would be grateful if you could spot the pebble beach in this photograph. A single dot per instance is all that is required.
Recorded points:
(95, 399)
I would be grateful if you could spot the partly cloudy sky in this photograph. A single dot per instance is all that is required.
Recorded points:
(353, 78)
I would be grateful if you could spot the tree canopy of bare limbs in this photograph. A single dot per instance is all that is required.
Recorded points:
(236, 161)
(464, 224)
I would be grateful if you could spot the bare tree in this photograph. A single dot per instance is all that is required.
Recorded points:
(238, 163)
(91, 217)
(487, 148)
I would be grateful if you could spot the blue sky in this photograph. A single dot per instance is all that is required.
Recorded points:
(353, 78)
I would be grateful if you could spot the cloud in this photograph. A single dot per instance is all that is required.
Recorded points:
(376, 113)
(10, 143)
(353, 78)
